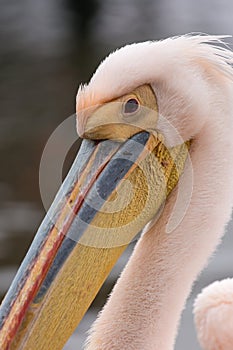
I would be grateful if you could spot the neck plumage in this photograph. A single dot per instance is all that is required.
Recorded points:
(144, 309)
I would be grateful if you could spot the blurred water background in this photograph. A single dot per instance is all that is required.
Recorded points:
(48, 48)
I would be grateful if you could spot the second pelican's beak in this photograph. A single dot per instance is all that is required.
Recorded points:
(111, 192)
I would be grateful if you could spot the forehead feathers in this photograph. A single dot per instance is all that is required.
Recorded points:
(156, 61)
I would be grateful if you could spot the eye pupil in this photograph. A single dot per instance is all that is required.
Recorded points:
(131, 106)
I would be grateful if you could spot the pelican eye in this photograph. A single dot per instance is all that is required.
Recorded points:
(131, 106)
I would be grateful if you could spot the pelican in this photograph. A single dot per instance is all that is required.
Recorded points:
(156, 117)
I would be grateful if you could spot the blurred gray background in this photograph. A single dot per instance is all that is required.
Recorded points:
(48, 48)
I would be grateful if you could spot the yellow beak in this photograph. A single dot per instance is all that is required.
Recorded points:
(111, 192)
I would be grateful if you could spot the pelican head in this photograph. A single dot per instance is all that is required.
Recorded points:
(145, 109)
